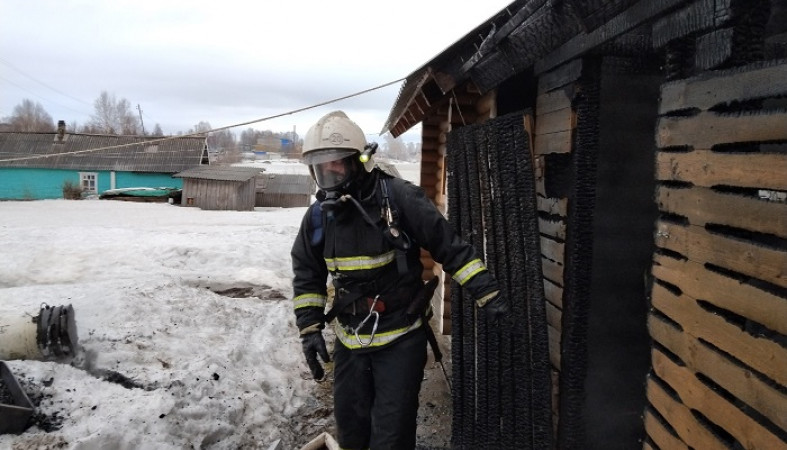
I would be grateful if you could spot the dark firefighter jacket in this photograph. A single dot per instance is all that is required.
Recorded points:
(363, 264)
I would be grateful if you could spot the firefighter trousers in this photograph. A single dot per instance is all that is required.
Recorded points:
(376, 393)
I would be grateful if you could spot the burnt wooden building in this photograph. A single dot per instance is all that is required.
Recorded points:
(622, 165)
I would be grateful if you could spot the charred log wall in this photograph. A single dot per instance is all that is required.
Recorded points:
(501, 382)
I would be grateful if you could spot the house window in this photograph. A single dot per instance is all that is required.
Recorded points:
(88, 182)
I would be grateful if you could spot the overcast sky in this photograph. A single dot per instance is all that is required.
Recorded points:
(224, 62)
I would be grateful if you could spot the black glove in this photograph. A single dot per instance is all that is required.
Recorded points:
(313, 345)
(496, 310)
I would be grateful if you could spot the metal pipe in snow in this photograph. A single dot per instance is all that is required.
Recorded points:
(51, 334)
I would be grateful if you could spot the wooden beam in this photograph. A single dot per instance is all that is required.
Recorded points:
(707, 129)
(724, 292)
(697, 244)
(703, 206)
(759, 353)
(685, 424)
(707, 168)
(710, 89)
(633, 17)
(734, 378)
(561, 76)
(695, 17)
(697, 396)
(552, 101)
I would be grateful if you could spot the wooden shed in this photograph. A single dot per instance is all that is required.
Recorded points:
(220, 187)
(285, 190)
(622, 166)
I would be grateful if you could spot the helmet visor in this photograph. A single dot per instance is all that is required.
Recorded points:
(328, 154)
(332, 174)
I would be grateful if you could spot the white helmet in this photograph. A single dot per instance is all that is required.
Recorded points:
(332, 149)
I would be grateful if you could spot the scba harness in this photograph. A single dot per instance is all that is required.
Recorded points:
(392, 232)
(419, 308)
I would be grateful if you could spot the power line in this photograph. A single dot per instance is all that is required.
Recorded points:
(42, 83)
(41, 97)
(204, 133)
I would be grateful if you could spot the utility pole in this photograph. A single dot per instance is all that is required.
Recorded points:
(140, 119)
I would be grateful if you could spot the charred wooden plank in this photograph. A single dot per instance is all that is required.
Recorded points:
(714, 48)
(553, 101)
(685, 424)
(560, 142)
(553, 206)
(552, 228)
(552, 249)
(629, 19)
(553, 293)
(707, 129)
(553, 271)
(707, 168)
(761, 354)
(553, 316)
(724, 292)
(699, 397)
(755, 81)
(697, 16)
(660, 435)
(699, 245)
(561, 76)
(556, 121)
(733, 377)
(702, 206)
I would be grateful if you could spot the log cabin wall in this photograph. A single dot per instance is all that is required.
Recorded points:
(716, 287)
(462, 107)
(553, 134)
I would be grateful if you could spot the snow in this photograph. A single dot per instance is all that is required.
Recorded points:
(214, 371)
(208, 370)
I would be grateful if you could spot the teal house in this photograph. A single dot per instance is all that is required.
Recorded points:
(35, 166)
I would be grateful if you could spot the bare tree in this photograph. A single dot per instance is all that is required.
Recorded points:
(221, 140)
(201, 127)
(248, 138)
(394, 148)
(157, 131)
(113, 116)
(30, 116)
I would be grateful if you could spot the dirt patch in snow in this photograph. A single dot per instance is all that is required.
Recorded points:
(434, 413)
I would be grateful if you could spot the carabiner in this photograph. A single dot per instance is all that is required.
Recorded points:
(372, 312)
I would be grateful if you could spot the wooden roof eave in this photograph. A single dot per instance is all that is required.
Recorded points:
(482, 51)
(497, 29)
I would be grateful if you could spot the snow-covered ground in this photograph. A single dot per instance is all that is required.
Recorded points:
(190, 308)
(213, 371)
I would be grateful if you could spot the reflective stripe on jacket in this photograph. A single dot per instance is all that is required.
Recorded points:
(310, 299)
(351, 341)
(359, 262)
(467, 272)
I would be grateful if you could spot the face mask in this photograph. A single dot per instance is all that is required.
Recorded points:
(334, 175)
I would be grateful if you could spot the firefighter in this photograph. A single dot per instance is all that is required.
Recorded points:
(365, 232)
